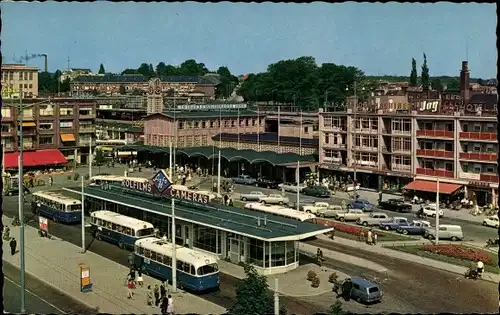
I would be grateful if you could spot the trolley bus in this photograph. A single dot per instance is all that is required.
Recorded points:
(119, 229)
(57, 207)
(281, 211)
(196, 271)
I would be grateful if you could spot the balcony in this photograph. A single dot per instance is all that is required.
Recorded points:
(366, 130)
(401, 168)
(86, 115)
(333, 160)
(435, 133)
(436, 173)
(436, 153)
(471, 176)
(334, 128)
(43, 131)
(481, 136)
(7, 134)
(364, 164)
(66, 130)
(488, 178)
(367, 149)
(28, 145)
(401, 132)
(86, 129)
(490, 157)
(9, 147)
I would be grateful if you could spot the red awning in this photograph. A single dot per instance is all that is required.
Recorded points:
(35, 158)
(423, 185)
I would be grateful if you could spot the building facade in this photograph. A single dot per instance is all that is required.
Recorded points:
(17, 78)
(195, 129)
(64, 124)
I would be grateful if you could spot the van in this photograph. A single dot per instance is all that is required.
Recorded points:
(364, 291)
(330, 212)
(446, 231)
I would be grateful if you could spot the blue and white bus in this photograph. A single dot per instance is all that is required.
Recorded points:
(57, 207)
(196, 271)
(119, 229)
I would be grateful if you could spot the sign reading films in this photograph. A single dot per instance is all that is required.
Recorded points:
(161, 184)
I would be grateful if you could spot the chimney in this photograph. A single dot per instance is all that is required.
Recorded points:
(464, 82)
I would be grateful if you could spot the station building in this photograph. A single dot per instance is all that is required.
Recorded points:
(268, 242)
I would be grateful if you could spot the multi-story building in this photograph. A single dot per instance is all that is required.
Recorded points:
(196, 128)
(17, 78)
(64, 124)
(453, 139)
(172, 86)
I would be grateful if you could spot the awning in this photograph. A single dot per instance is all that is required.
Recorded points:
(35, 158)
(29, 124)
(427, 186)
(67, 137)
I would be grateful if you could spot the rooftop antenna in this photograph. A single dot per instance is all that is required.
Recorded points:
(467, 49)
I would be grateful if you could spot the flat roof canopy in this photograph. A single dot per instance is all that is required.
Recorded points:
(234, 220)
(428, 186)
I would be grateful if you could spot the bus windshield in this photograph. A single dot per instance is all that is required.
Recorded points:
(207, 269)
(145, 232)
(74, 208)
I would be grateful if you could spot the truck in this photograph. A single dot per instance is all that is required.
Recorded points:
(394, 224)
(350, 215)
(374, 218)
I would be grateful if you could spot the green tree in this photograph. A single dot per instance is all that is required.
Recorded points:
(453, 85)
(122, 89)
(99, 159)
(227, 82)
(336, 308)
(252, 295)
(144, 70)
(436, 84)
(130, 71)
(413, 73)
(160, 68)
(191, 68)
(101, 69)
(424, 78)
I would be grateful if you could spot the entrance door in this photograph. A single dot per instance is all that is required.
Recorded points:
(234, 250)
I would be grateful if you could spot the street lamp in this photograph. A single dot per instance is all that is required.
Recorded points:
(355, 109)
(21, 194)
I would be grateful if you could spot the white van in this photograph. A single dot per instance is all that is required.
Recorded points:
(446, 231)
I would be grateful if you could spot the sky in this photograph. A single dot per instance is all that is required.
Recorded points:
(379, 39)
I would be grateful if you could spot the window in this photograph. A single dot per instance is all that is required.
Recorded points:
(476, 169)
(197, 124)
(6, 112)
(30, 86)
(477, 148)
(11, 76)
(448, 166)
(226, 123)
(31, 77)
(448, 146)
(328, 122)
(476, 128)
(25, 77)
(489, 169)
(211, 123)
(449, 126)
(66, 111)
(203, 124)
(181, 125)
(25, 85)
(66, 124)
(46, 140)
(465, 128)
(5, 128)
(327, 138)
(46, 110)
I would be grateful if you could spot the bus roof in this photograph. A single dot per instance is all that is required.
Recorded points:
(119, 178)
(281, 211)
(57, 197)
(195, 257)
(121, 219)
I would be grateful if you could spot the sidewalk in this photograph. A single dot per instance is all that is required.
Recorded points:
(383, 250)
(55, 262)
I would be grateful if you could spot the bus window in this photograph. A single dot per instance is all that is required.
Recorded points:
(180, 265)
(128, 231)
(109, 225)
(140, 250)
(145, 232)
(167, 261)
(191, 270)
(92, 220)
(99, 222)
(187, 268)
(74, 208)
(159, 258)
(207, 269)
(147, 253)
(153, 255)
(113, 226)
(119, 228)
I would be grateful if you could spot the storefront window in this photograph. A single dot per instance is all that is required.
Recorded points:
(290, 252)
(206, 238)
(278, 254)
(256, 252)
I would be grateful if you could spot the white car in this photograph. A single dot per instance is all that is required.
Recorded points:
(491, 221)
(252, 196)
(290, 187)
(430, 211)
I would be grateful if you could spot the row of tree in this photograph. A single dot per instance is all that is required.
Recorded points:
(426, 81)
(303, 83)
(49, 83)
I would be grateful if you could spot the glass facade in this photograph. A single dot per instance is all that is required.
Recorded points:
(256, 252)
(207, 238)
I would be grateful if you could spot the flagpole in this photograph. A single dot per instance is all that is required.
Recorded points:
(239, 123)
(437, 212)
(83, 218)
(300, 134)
(258, 128)
(219, 155)
(174, 245)
(297, 176)
(279, 124)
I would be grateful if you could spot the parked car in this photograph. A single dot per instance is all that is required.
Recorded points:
(430, 211)
(252, 196)
(317, 191)
(398, 205)
(491, 221)
(351, 187)
(266, 183)
(244, 180)
(416, 227)
(394, 224)
(291, 187)
(350, 215)
(374, 218)
(362, 204)
(364, 291)
(302, 203)
(446, 231)
(322, 209)
(274, 199)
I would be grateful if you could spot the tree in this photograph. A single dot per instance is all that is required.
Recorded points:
(336, 308)
(144, 70)
(122, 89)
(101, 69)
(130, 71)
(453, 85)
(252, 295)
(227, 82)
(413, 73)
(424, 78)
(99, 159)
(191, 68)
(437, 85)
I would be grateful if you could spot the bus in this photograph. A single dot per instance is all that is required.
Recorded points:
(281, 211)
(119, 229)
(197, 271)
(57, 207)
(113, 179)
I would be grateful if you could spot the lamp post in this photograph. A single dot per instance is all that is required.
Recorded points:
(355, 109)
(21, 196)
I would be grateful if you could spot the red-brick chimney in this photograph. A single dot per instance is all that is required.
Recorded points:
(464, 82)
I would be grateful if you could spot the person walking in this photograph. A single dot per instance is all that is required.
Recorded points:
(163, 291)
(164, 305)
(13, 245)
(130, 288)
(170, 306)
(156, 292)
(51, 181)
(149, 297)
(369, 237)
(332, 233)
(140, 280)
(375, 235)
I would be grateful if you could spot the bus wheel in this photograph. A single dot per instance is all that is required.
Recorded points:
(121, 245)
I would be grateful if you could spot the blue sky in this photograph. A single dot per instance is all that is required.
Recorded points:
(377, 38)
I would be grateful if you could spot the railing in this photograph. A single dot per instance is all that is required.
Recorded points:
(46, 131)
(6, 133)
(334, 128)
(366, 130)
(401, 132)
(437, 173)
(478, 156)
(435, 133)
(435, 153)
(66, 130)
(365, 163)
(361, 148)
(332, 160)
(401, 167)
(86, 129)
(478, 136)
(471, 176)
(334, 146)
(489, 178)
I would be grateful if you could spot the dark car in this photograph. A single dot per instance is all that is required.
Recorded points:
(362, 204)
(317, 191)
(266, 183)
(398, 205)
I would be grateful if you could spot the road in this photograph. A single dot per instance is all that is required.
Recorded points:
(473, 231)
(39, 298)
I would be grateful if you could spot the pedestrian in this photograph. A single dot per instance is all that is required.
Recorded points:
(131, 274)
(170, 307)
(130, 287)
(163, 291)
(332, 233)
(369, 237)
(140, 280)
(149, 296)
(156, 292)
(318, 256)
(346, 289)
(375, 235)
(51, 181)
(164, 305)
(13, 245)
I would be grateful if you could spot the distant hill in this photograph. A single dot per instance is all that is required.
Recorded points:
(391, 78)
